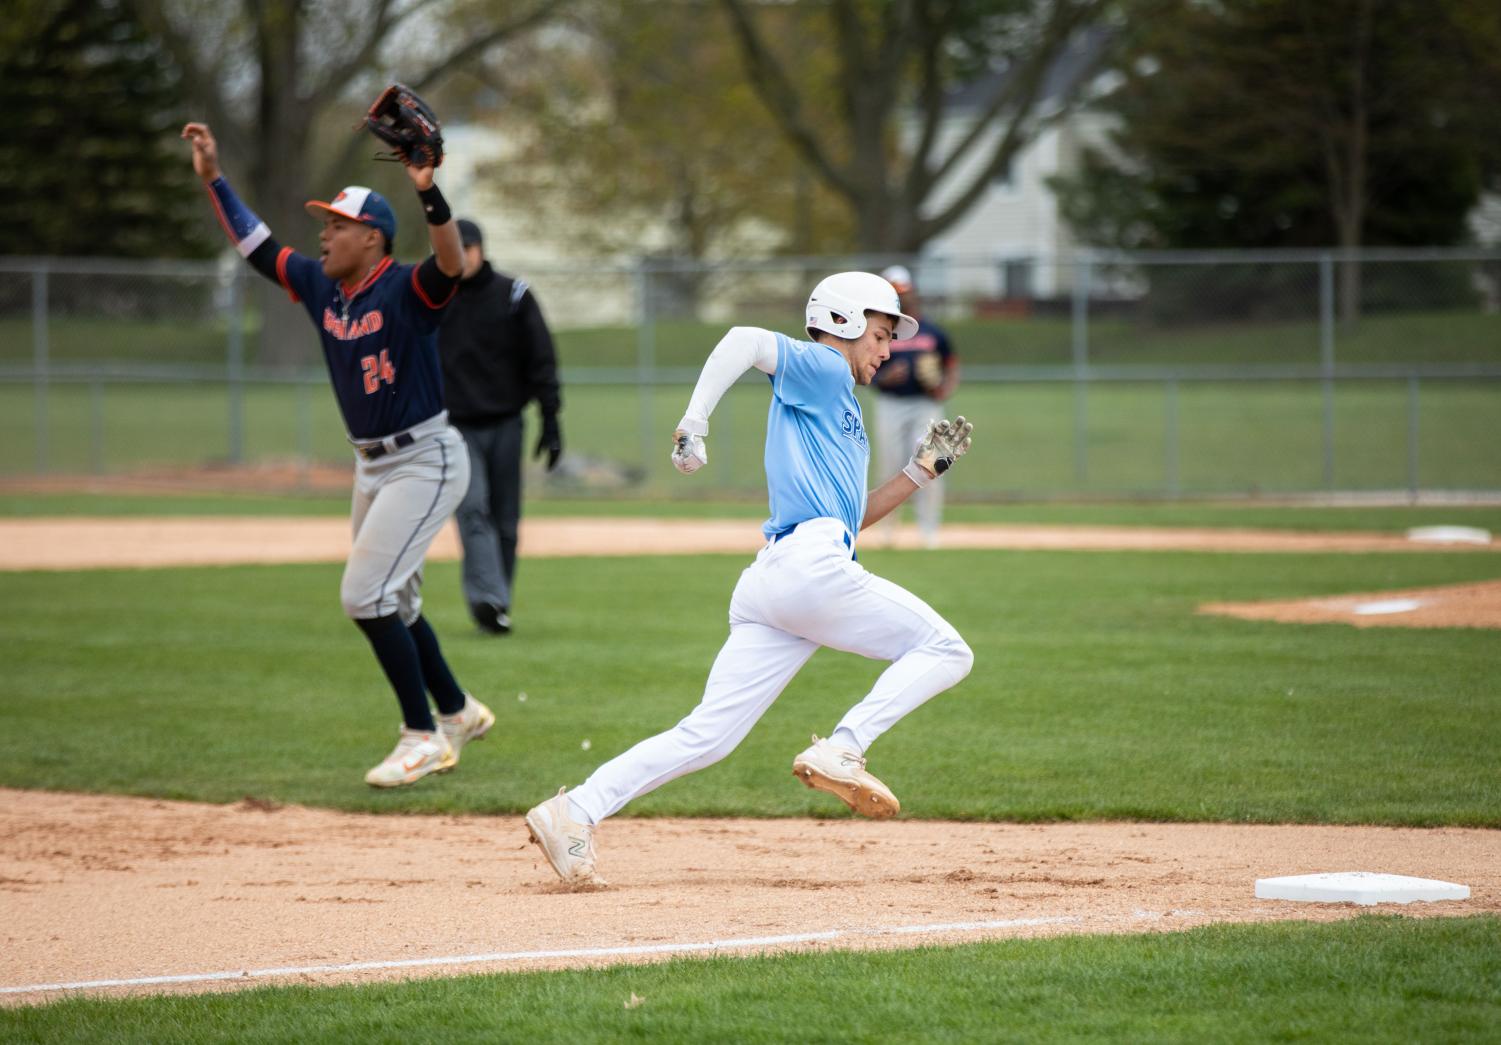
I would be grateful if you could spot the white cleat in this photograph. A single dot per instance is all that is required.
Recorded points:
(567, 844)
(842, 774)
(471, 723)
(416, 755)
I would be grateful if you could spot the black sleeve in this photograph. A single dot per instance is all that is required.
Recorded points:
(436, 287)
(263, 259)
(541, 357)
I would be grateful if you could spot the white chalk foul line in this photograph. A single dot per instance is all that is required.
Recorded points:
(519, 956)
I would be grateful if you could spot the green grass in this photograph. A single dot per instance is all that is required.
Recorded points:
(1370, 979)
(1232, 438)
(1399, 338)
(543, 502)
(1097, 691)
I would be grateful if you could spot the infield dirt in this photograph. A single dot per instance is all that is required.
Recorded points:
(102, 887)
(111, 888)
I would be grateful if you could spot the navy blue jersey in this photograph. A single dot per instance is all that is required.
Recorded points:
(898, 375)
(380, 340)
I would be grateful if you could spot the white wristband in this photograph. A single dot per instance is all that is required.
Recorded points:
(918, 474)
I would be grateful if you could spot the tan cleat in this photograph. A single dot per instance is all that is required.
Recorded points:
(415, 756)
(842, 774)
(567, 844)
(471, 723)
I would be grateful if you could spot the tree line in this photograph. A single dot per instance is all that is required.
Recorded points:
(701, 128)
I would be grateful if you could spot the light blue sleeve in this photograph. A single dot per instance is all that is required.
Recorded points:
(801, 374)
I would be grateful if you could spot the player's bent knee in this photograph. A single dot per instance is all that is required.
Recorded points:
(957, 652)
(357, 607)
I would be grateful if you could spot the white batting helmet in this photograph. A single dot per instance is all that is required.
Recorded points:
(839, 303)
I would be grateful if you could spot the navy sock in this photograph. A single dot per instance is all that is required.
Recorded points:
(397, 653)
(440, 681)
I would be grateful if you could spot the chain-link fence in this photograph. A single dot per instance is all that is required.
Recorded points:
(1167, 374)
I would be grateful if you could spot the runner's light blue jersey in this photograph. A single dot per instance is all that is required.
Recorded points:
(816, 450)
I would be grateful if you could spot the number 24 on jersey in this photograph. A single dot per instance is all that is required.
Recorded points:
(378, 369)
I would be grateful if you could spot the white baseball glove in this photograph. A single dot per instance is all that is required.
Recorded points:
(689, 453)
(944, 443)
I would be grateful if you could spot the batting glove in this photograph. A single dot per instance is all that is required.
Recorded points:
(689, 453)
(944, 443)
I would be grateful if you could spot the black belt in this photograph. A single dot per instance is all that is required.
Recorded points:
(372, 451)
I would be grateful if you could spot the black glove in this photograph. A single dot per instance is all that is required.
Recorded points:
(404, 122)
(550, 441)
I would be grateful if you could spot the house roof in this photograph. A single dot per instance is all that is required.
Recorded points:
(1076, 60)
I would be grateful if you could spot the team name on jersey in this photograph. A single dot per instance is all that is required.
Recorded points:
(353, 329)
(851, 428)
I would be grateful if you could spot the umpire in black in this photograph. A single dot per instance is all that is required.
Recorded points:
(497, 357)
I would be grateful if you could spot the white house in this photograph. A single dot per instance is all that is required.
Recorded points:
(1004, 247)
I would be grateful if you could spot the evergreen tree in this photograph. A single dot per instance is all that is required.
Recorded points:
(1277, 123)
(91, 164)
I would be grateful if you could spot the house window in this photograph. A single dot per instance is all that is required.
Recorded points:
(1005, 178)
(1016, 278)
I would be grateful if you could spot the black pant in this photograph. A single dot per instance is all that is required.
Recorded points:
(491, 511)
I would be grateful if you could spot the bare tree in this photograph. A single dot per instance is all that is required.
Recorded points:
(906, 56)
(264, 71)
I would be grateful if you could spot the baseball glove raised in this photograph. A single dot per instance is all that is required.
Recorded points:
(403, 121)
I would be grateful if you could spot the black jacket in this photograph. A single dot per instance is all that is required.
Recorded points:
(496, 350)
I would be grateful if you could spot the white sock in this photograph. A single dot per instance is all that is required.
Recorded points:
(843, 738)
(578, 814)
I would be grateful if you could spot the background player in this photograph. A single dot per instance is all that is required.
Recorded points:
(922, 372)
(497, 356)
(805, 588)
(378, 324)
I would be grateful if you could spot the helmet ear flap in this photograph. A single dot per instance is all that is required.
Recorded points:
(841, 322)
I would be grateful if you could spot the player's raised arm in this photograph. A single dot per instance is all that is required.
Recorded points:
(205, 151)
(400, 119)
(442, 230)
(249, 234)
(738, 351)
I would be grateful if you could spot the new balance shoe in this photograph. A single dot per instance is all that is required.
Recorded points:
(567, 844)
(416, 754)
(842, 774)
(471, 723)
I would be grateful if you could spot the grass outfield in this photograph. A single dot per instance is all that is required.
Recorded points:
(1232, 438)
(1097, 691)
(1435, 336)
(1371, 979)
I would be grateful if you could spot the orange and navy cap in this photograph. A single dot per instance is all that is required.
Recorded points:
(361, 204)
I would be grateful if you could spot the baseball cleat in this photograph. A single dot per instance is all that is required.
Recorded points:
(492, 618)
(416, 754)
(567, 844)
(842, 774)
(472, 723)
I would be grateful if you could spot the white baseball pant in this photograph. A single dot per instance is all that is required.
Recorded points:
(900, 422)
(802, 592)
(400, 503)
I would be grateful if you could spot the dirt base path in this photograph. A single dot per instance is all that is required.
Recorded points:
(76, 543)
(100, 888)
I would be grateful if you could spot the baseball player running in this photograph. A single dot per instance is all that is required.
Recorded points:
(378, 324)
(805, 589)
